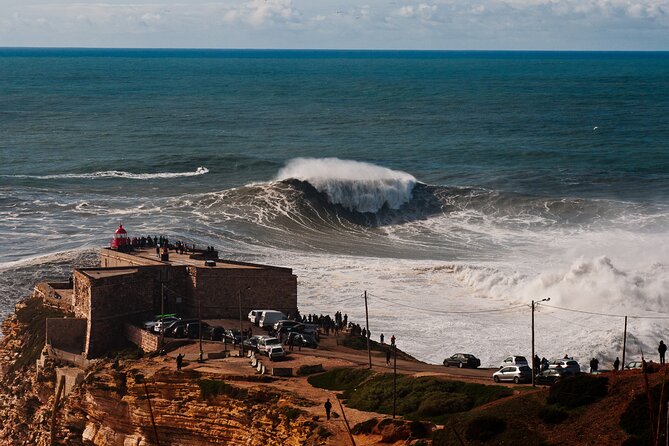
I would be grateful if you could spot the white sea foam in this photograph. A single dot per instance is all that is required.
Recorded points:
(357, 186)
(117, 174)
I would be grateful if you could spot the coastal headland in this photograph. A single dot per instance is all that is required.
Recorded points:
(77, 368)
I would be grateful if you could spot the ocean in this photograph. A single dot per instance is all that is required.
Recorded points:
(453, 187)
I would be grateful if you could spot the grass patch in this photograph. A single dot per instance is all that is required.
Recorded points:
(345, 379)
(519, 414)
(421, 398)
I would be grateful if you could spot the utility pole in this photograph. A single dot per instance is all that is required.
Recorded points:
(532, 359)
(369, 350)
(199, 317)
(622, 366)
(394, 380)
(241, 332)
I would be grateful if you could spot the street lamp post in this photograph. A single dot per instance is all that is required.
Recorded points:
(532, 359)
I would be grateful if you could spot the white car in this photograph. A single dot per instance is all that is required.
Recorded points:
(515, 373)
(271, 347)
(514, 360)
(254, 316)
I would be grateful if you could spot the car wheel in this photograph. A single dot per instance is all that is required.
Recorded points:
(446, 364)
(516, 380)
(495, 378)
(460, 365)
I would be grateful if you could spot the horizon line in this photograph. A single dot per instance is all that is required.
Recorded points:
(380, 50)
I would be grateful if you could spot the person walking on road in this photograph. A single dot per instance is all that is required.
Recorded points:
(328, 407)
(180, 360)
(662, 350)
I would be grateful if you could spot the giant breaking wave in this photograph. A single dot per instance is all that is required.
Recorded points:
(357, 186)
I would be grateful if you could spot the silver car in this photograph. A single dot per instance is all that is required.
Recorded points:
(515, 373)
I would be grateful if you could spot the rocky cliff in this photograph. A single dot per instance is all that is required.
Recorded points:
(115, 402)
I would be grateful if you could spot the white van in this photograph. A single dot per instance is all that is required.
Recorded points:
(254, 316)
(270, 317)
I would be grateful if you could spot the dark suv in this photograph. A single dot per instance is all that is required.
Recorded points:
(462, 360)
(177, 329)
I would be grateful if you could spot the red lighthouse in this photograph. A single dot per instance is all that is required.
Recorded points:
(120, 241)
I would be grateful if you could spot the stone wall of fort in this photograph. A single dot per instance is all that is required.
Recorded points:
(67, 334)
(218, 291)
(143, 339)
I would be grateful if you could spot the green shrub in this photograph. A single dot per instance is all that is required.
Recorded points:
(419, 398)
(553, 415)
(578, 390)
(484, 428)
(437, 404)
(339, 379)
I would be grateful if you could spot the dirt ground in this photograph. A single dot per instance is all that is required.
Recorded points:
(330, 354)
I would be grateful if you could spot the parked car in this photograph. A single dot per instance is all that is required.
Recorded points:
(515, 373)
(302, 339)
(269, 317)
(514, 360)
(251, 343)
(155, 324)
(254, 316)
(568, 365)
(285, 323)
(462, 360)
(193, 329)
(634, 365)
(550, 376)
(286, 329)
(233, 335)
(213, 333)
(271, 347)
(177, 329)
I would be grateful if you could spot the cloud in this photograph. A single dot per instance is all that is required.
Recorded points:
(429, 24)
(422, 10)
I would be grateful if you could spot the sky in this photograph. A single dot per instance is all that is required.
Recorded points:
(329, 24)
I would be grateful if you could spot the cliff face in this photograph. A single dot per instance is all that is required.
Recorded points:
(111, 406)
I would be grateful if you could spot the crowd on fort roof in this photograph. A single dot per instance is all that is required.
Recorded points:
(163, 241)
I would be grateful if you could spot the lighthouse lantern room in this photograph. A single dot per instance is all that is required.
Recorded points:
(120, 241)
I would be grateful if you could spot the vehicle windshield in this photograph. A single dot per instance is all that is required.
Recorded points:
(272, 341)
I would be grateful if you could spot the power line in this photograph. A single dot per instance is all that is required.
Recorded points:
(431, 310)
(604, 314)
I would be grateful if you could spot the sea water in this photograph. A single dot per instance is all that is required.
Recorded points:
(453, 187)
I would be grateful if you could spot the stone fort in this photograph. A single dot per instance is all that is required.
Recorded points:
(133, 285)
